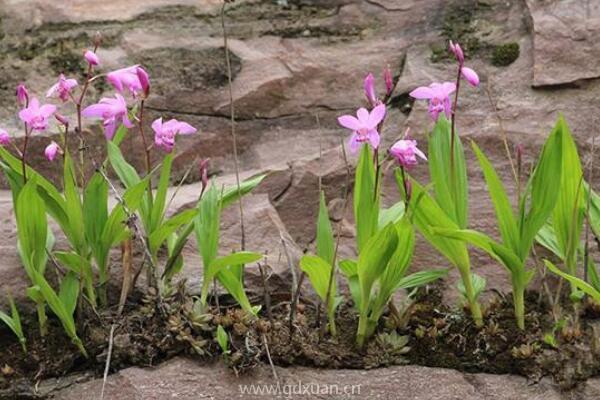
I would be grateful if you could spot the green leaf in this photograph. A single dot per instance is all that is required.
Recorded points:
(374, 258)
(421, 278)
(235, 288)
(222, 339)
(547, 238)
(234, 259)
(73, 206)
(569, 211)
(32, 228)
(14, 322)
(231, 194)
(158, 205)
(451, 192)
(126, 173)
(69, 292)
(325, 241)
(543, 194)
(350, 269)
(366, 202)
(207, 225)
(579, 283)
(95, 207)
(506, 220)
(428, 216)
(479, 283)
(170, 226)
(319, 271)
(392, 214)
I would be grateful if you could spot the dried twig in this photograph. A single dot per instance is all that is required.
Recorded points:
(266, 294)
(339, 227)
(273, 370)
(233, 136)
(127, 273)
(504, 137)
(108, 357)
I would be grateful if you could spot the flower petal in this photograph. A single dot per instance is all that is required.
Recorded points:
(183, 128)
(157, 125)
(376, 116)
(349, 121)
(422, 93)
(374, 138)
(363, 116)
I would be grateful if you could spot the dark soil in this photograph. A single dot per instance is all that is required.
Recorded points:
(429, 333)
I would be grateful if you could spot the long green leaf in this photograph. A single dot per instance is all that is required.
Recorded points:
(451, 192)
(325, 241)
(579, 283)
(506, 220)
(366, 203)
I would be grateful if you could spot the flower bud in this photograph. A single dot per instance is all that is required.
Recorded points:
(97, 39)
(204, 172)
(52, 150)
(91, 58)
(519, 154)
(144, 80)
(22, 95)
(62, 119)
(457, 51)
(470, 75)
(389, 81)
(369, 86)
(4, 138)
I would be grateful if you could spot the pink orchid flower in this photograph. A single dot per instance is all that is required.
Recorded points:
(62, 88)
(144, 80)
(4, 138)
(165, 133)
(52, 150)
(363, 126)
(438, 95)
(406, 152)
(125, 78)
(36, 116)
(112, 111)
(91, 58)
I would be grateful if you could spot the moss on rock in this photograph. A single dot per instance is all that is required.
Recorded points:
(505, 54)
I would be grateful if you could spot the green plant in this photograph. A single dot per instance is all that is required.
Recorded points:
(13, 321)
(223, 340)
(229, 269)
(518, 232)
(447, 209)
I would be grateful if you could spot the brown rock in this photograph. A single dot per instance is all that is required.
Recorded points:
(566, 37)
(187, 380)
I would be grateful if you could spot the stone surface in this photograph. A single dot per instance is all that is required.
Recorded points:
(186, 380)
(566, 37)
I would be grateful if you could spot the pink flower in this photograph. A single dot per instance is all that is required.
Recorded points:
(63, 88)
(363, 126)
(438, 95)
(112, 111)
(36, 116)
(369, 86)
(125, 78)
(457, 51)
(91, 58)
(165, 133)
(4, 138)
(22, 95)
(406, 152)
(389, 81)
(144, 80)
(470, 76)
(52, 150)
